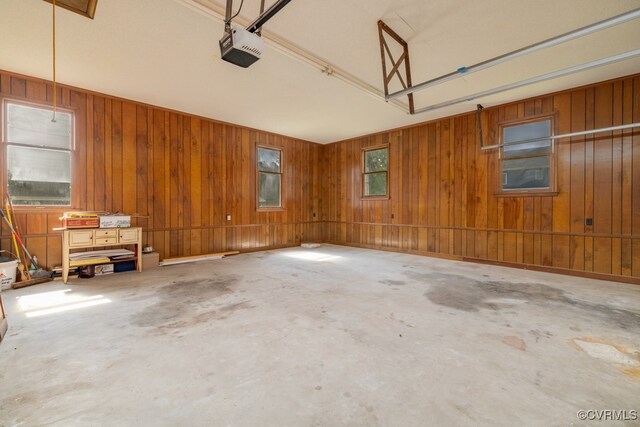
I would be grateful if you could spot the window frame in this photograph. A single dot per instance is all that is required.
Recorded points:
(363, 167)
(258, 172)
(553, 182)
(4, 179)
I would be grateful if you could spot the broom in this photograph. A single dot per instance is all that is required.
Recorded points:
(38, 275)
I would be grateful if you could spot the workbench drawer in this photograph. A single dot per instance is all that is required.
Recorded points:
(128, 235)
(80, 238)
(105, 233)
(102, 241)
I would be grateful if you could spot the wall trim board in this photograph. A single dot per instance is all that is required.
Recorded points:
(492, 230)
(186, 229)
(544, 269)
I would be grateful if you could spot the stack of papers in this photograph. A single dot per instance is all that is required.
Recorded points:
(99, 257)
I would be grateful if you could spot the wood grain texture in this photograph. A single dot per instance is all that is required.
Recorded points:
(185, 173)
(442, 189)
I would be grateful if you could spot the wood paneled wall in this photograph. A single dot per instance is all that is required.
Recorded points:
(442, 199)
(185, 173)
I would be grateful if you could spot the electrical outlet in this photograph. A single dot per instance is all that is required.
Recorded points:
(228, 217)
(588, 221)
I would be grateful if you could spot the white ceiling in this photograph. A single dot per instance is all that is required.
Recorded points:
(165, 53)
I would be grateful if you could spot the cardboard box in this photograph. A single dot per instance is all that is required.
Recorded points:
(150, 260)
(80, 222)
(103, 269)
(115, 221)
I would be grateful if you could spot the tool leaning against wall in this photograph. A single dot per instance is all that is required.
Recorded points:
(29, 271)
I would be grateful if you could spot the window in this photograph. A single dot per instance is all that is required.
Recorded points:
(376, 165)
(526, 156)
(38, 153)
(269, 178)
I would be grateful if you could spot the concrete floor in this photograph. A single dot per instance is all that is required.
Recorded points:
(330, 336)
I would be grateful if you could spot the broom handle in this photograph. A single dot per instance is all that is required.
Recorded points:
(11, 216)
(24, 248)
(13, 238)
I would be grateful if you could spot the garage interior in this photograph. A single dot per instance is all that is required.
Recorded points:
(365, 213)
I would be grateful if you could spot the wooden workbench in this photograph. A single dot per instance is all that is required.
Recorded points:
(99, 237)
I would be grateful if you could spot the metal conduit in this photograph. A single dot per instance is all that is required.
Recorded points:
(537, 79)
(571, 35)
(565, 135)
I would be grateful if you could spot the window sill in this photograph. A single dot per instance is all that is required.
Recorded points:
(374, 198)
(524, 193)
(27, 209)
(269, 209)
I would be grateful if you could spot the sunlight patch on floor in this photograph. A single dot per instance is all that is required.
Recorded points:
(44, 303)
(312, 256)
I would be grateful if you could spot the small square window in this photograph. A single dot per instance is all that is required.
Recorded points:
(375, 172)
(526, 156)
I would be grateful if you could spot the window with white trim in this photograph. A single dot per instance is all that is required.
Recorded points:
(269, 178)
(38, 154)
(375, 172)
(527, 156)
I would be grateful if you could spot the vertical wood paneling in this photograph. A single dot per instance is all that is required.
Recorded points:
(562, 201)
(185, 174)
(442, 189)
(626, 178)
(182, 174)
(602, 169)
(635, 204)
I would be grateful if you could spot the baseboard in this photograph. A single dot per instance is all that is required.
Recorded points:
(543, 268)
(267, 248)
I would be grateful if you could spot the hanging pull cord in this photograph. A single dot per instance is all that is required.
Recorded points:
(55, 89)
